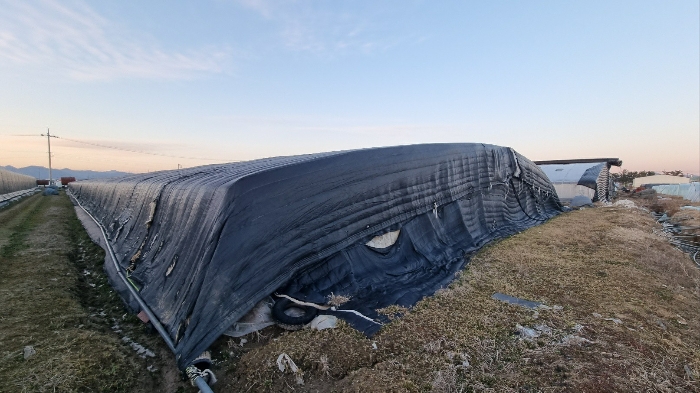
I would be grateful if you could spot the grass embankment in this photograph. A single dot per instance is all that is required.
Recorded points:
(56, 299)
(624, 317)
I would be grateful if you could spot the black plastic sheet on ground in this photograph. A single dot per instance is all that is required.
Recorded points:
(205, 244)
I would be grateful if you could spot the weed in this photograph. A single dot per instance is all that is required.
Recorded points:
(337, 300)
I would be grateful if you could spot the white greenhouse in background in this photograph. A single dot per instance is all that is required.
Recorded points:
(587, 177)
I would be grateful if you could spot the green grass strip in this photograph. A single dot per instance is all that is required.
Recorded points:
(17, 240)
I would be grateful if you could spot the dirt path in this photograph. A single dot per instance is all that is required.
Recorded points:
(62, 328)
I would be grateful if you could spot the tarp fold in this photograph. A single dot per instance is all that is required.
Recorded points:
(205, 244)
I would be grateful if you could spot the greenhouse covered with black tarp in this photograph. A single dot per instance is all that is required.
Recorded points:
(204, 245)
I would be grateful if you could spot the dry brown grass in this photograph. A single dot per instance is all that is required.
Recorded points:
(688, 218)
(668, 204)
(627, 321)
(622, 316)
(337, 300)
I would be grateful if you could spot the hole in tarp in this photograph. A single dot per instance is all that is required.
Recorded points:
(384, 241)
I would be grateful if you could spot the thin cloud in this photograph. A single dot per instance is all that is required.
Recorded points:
(150, 147)
(341, 125)
(263, 7)
(436, 131)
(73, 39)
(168, 150)
(316, 29)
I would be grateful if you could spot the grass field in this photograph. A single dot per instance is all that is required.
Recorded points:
(56, 300)
(622, 315)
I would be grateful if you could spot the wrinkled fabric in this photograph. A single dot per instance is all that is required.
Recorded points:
(205, 244)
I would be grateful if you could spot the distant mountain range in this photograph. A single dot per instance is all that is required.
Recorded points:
(41, 172)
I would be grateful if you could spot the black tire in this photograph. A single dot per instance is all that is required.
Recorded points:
(281, 305)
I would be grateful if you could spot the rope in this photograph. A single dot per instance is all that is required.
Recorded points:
(359, 314)
(299, 302)
(314, 305)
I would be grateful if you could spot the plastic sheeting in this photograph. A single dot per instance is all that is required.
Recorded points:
(6, 199)
(204, 245)
(658, 180)
(584, 174)
(570, 179)
(690, 191)
(581, 200)
(11, 182)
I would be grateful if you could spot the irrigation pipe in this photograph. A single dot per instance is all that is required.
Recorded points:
(198, 379)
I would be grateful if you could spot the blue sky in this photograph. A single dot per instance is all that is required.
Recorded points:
(217, 81)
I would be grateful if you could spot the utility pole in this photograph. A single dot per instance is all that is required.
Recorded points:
(48, 139)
